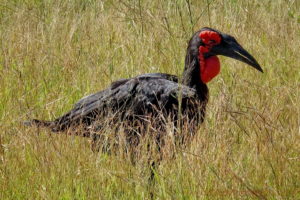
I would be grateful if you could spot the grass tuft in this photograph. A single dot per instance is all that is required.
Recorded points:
(55, 52)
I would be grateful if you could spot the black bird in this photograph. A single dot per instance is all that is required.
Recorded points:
(152, 100)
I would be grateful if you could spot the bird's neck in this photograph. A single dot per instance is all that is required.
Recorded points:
(191, 74)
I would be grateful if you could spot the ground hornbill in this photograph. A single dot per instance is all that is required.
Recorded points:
(149, 102)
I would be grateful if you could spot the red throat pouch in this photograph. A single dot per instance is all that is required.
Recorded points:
(210, 69)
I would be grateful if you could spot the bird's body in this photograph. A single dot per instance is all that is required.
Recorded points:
(152, 100)
(148, 100)
(131, 99)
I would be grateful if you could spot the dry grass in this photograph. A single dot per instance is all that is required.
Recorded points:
(54, 52)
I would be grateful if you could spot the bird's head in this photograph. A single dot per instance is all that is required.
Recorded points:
(211, 43)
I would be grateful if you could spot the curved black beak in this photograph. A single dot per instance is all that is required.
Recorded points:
(234, 50)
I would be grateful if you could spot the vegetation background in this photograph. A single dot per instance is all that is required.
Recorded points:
(53, 52)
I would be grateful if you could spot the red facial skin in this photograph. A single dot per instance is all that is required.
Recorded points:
(209, 67)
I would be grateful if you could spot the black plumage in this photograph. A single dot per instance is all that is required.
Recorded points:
(152, 100)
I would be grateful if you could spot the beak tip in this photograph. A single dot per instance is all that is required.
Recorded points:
(259, 69)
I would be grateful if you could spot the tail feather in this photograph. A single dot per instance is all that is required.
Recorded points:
(39, 123)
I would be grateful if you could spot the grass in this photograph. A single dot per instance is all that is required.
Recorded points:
(54, 52)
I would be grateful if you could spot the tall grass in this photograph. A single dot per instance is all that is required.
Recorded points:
(54, 52)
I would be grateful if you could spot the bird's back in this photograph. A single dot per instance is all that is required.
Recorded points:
(144, 98)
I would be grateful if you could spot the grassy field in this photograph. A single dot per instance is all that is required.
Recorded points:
(53, 52)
